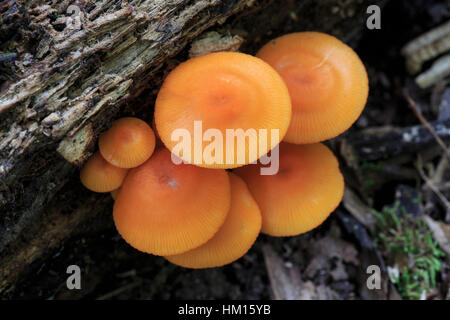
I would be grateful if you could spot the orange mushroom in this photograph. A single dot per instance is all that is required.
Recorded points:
(222, 91)
(128, 143)
(327, 83)
(98, 175)
(234, 238)
(306, 189)
(167, 209)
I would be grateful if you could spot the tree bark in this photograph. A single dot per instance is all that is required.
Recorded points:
(61, 84)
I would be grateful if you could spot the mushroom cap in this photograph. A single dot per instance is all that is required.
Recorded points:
(98, 175)
(236, 236)
(223, 90)
(327, 83)
(306, 189)
(128, 143)
(166, 209)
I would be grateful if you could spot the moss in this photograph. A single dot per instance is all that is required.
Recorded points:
(409, 245)
(371, 174)
(368, 165)
(368, 183)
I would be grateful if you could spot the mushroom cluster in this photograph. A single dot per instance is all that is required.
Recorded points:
(308, 86)
(127, 144)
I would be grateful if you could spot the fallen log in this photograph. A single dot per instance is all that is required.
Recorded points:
(372, 145)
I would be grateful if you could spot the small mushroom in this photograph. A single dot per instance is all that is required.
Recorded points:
(234, 238)
(165, 209)
(306, 189)
(128, 143)
(327, 83)
(224, 91)
(98, 175)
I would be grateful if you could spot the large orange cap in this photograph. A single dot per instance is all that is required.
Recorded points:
(235, 237)
(306, 189)
(128, 143)
(98, 175)
(164, 209)
(327, 83)
(220, 91)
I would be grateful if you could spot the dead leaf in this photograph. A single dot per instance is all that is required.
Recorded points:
(358, 209)
(287, 283)
(441, 232)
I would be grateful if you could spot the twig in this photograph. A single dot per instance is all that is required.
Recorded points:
(424, 121)
(430, 184)
(440, 171)
(117, 291)
(286, 284)
(426, 39)
(426, 47)
(358, 209)
(438, 71)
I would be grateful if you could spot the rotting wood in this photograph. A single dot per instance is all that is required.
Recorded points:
(371, 145)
